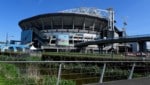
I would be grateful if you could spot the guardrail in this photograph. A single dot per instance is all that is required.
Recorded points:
(78, 72)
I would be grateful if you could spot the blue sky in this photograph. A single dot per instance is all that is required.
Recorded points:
(136, 13)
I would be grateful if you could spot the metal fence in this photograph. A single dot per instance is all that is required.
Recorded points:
(70, 72)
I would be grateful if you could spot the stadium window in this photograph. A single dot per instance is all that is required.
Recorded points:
(53, 41)
(11, 49)
(70, 41)
(77, 42)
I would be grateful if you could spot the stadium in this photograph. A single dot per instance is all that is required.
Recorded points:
(60, 31)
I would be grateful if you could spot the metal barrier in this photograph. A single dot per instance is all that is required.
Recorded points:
(75, 72)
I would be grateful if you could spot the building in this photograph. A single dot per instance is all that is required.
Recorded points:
(60, 31)
(13, 48)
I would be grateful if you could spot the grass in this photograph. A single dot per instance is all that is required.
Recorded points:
(10, 75)
(90, 55)
(24, 57)
(78, 54)
(14, 58)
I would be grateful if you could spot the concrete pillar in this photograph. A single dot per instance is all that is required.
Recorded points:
(84, 50)
(57, 50)
(79, 49)
(100, 48)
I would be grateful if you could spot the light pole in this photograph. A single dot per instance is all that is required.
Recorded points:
(125, 35)
(6, 38)
(7, 41)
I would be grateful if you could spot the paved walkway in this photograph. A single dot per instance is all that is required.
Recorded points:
(140, 81)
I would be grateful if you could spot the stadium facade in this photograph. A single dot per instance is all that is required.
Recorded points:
(62, 30)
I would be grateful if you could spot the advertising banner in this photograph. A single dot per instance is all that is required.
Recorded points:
(63, 40)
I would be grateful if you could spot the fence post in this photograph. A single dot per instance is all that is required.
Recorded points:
(132, 71)
(102, 74)
(59, 74)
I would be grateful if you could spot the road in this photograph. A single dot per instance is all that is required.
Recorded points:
(139, 81)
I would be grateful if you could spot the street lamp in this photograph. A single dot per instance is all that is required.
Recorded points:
(7, 41)
(125, 34)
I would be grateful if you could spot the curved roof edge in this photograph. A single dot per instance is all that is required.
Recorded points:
(55, 14)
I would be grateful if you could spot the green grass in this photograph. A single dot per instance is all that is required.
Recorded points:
(10, 75)
(89, 55)
(14, 58)
(23, 57)
(77, 54)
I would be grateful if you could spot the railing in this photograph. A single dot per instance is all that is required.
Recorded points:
(70, 72)
(144, 35)
(133, 36)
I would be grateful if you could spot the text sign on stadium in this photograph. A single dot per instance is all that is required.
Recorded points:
(63, 40)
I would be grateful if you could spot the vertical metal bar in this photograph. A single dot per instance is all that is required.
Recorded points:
(132, 71)
(62, 23)
(6, 39)
(84, 24)
(72, 23)
(99, 49)
(113, 17)
(73, 39)
(57, 50)
(59, 74)
(50, 40)
(112, 52)
(93, 25)
(102, 74)
(43, 25)
(52, 23)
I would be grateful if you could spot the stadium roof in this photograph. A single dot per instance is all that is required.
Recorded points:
(88, 11)
(57, 18)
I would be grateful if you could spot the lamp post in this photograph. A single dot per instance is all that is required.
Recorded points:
(125, 34)
(7, 41)
(6, 38)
